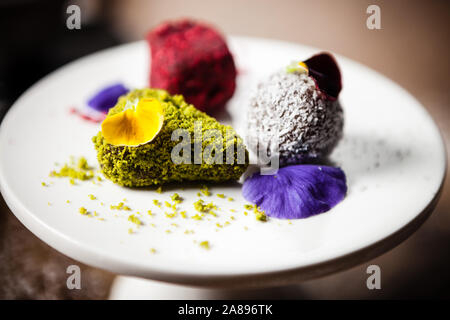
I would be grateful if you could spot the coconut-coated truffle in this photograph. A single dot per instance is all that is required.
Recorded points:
(290, 113)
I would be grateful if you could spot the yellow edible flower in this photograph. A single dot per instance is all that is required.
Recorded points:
(134, 126)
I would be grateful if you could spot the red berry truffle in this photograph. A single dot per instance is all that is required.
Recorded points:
(192, 59)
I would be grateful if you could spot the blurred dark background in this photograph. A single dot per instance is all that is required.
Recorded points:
(411, 48)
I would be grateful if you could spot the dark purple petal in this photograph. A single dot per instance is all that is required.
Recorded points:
(107, 97)
(325, 71)
(296, 192)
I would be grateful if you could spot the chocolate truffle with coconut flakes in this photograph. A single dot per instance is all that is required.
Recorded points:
(297, 111)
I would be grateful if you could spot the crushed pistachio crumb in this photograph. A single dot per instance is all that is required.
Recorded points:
(200, 206)
(259, 214)
(152, 250)
(80, 170)
(170, 215)
(44, 184)
(92, 197)
(120, 206)
(132, 218)
(205, 245)
(159, 190)
(205, 190)
(230, 199)
(176, 198)
(156, 203)
(83, 211)
(221, 195)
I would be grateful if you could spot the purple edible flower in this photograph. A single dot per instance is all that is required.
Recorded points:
(107, 97)
(296, 192)
(325, 71)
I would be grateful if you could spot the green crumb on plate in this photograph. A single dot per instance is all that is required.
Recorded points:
(92, 197)
(156, 203)
(132, 218)
(205, 245)
(80, 171)
(83, 211)
(205, 190)
(200, 206)
(221, 195)
(197, 217)
(176, 198)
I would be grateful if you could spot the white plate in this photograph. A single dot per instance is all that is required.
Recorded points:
(392, 153)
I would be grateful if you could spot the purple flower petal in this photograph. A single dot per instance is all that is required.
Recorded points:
(107, 97)
(296, 192)
(325, 71)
